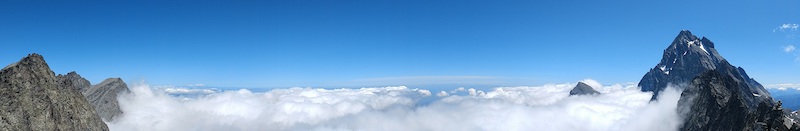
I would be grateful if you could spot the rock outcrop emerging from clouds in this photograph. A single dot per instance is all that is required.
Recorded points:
(583, 89)
(716, 95)
(103, 97)
(686, 58)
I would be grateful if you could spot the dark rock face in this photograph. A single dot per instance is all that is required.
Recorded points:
(73, 80)
(685, 59)
(718, 101)
(583, 89)
(792, 117)
(719, 96)
(103, 97)
(31, 98)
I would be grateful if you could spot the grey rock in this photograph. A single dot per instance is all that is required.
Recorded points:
(103, 97)
(74, 80)
(686, 58)
(719, 96)
(583, 89)
(32, 99)
(793, 116)
(714, 101)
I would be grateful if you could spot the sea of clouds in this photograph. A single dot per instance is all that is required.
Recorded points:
(548, 108)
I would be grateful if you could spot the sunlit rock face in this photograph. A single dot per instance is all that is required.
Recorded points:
(103, 97)
(31, 98)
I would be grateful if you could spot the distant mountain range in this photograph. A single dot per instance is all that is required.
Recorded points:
(789, 97)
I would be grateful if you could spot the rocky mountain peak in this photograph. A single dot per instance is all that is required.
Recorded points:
(75, 80)
(583, 89)
(686, 57)
(103, 97)
(31, 98)
(31, 62)
(707, 42)
(685, 34)
(716, 95)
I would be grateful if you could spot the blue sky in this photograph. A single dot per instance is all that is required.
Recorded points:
(390, 42)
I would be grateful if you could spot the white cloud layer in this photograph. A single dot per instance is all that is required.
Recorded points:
(548, 107)
(783, 86)
(173, 90)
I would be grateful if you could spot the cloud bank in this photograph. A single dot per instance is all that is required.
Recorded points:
(547, 107)
(783, 86)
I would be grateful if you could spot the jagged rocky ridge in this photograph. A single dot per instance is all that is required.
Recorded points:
(717, 95)
(103, 96)
(31, 98)
(715, 101)
(583, 89)
(685, 59)
(74, 81)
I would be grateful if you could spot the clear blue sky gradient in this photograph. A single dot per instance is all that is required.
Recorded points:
(372, 42)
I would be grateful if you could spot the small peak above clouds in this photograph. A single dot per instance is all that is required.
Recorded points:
(583, 89)
(591, 82)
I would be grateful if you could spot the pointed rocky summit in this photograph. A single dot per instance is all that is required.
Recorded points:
(716, 95)
(583, 89)
(73, 80)
(103, 97)
(32, 99)
(686, 58)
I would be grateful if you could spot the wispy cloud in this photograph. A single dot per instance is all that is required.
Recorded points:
(785, 27)
(788, 48)
(791, 32)
(789, 26)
